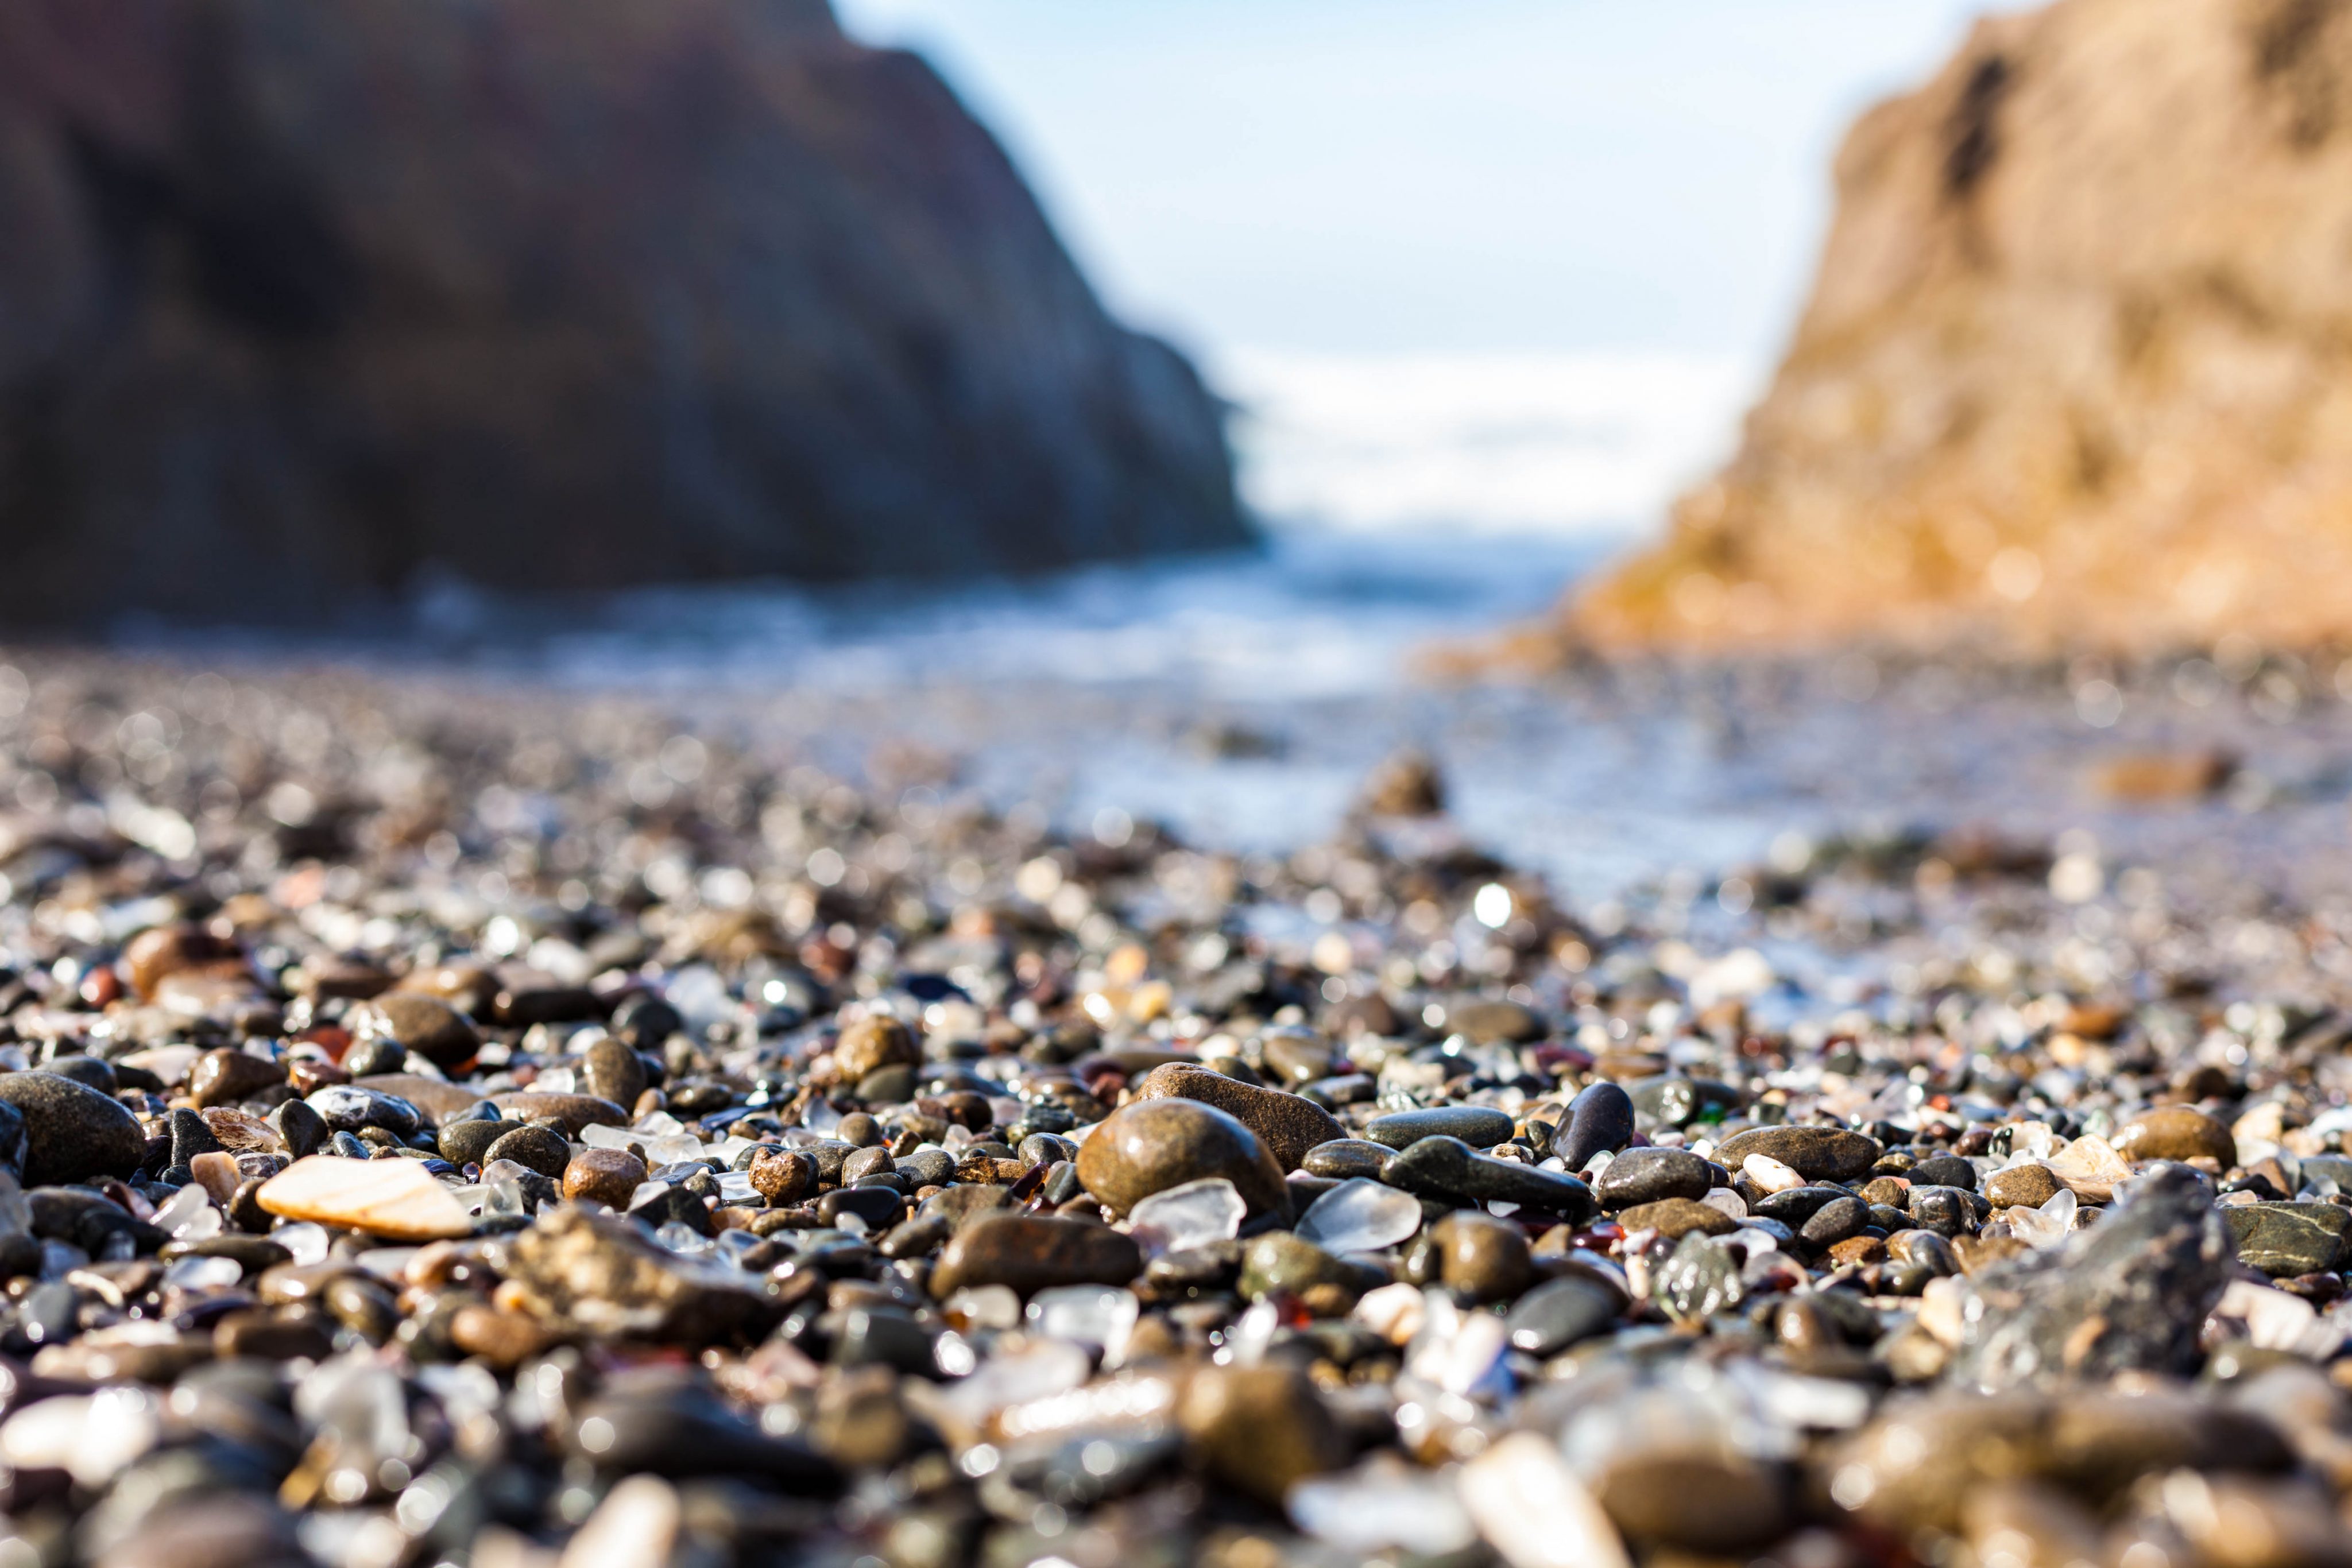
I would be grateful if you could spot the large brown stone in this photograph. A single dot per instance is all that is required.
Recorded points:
(2071, 368)
(2177, 1133)
(1154, 1144)
(1287, 1124)
(1259, 1428)
(1032, 1253)
(306, 296)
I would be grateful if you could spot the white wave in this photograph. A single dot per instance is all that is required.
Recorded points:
(1581, 443)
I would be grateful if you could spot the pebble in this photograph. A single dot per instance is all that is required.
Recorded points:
(1153, 1145)
(1945, 1210)
(2131, 1297)
(1447, 1168)
(1675, 1218)
(1945, 1170)
(225, 1076)
(1817, 1153)
(1287, 1124)
(1652, 1176)
(1476, 1126)
(1482, 1258)
(434, 1098)
(602, 1176)
(601, 1274)
(872, 1043)
(468, 1143)
(610, 1070)
(396, 1199)
(2030, 1186)
(1601, 1118)
(2176, 1132)
(1028, 1254)
(1259, 1429)
(72, 1133)
(1343, 1158)
(578, 1113)
(347, 1108)
(2287, 1239)
(537, 1148)
(1837, 1221)
(783, 1177)
(418, 1025)
(1562, 1312)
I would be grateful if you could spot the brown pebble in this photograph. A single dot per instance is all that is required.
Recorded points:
(218, 1175)
(783, 1176)
(1856, 1250)
(875, 1042)
(503, 1339)
(419, 1024)
(603, 1176)
(2027, 1186)
(1482, 1257)
(223, 1076)
(2177, 1133)
(272, 1336)
(1677, 1218)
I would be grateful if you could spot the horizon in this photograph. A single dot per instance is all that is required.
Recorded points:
(1347, 234)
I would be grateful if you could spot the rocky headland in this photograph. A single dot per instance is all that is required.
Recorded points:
(2073, 371)
(306, 297)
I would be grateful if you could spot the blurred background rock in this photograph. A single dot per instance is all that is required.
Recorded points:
(302, 298)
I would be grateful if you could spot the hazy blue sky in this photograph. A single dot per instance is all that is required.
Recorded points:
(1457, 176)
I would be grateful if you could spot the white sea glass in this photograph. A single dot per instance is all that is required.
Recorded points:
(1197, 1214)
(1360, 1215)
(1102, 1316)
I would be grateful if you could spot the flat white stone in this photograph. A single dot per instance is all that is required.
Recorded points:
(93, 1435)
(202, 1273)
(1100, 1315)
(638, 1523)
(1535, 1511)
(396, 1199)
(1381, 1504)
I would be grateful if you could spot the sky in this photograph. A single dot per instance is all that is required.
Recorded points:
(1344, 208)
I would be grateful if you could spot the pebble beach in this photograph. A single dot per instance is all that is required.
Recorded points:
(519, 1127)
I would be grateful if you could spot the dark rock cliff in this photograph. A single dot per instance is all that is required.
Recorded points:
(2074, 370)
(299, 298)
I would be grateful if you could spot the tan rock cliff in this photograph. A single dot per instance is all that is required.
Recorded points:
(2077, 367)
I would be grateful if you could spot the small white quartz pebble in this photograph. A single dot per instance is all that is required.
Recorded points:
(1535, 1511)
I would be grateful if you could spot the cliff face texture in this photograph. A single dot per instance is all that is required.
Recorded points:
(2078, 363)
(299, 296)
